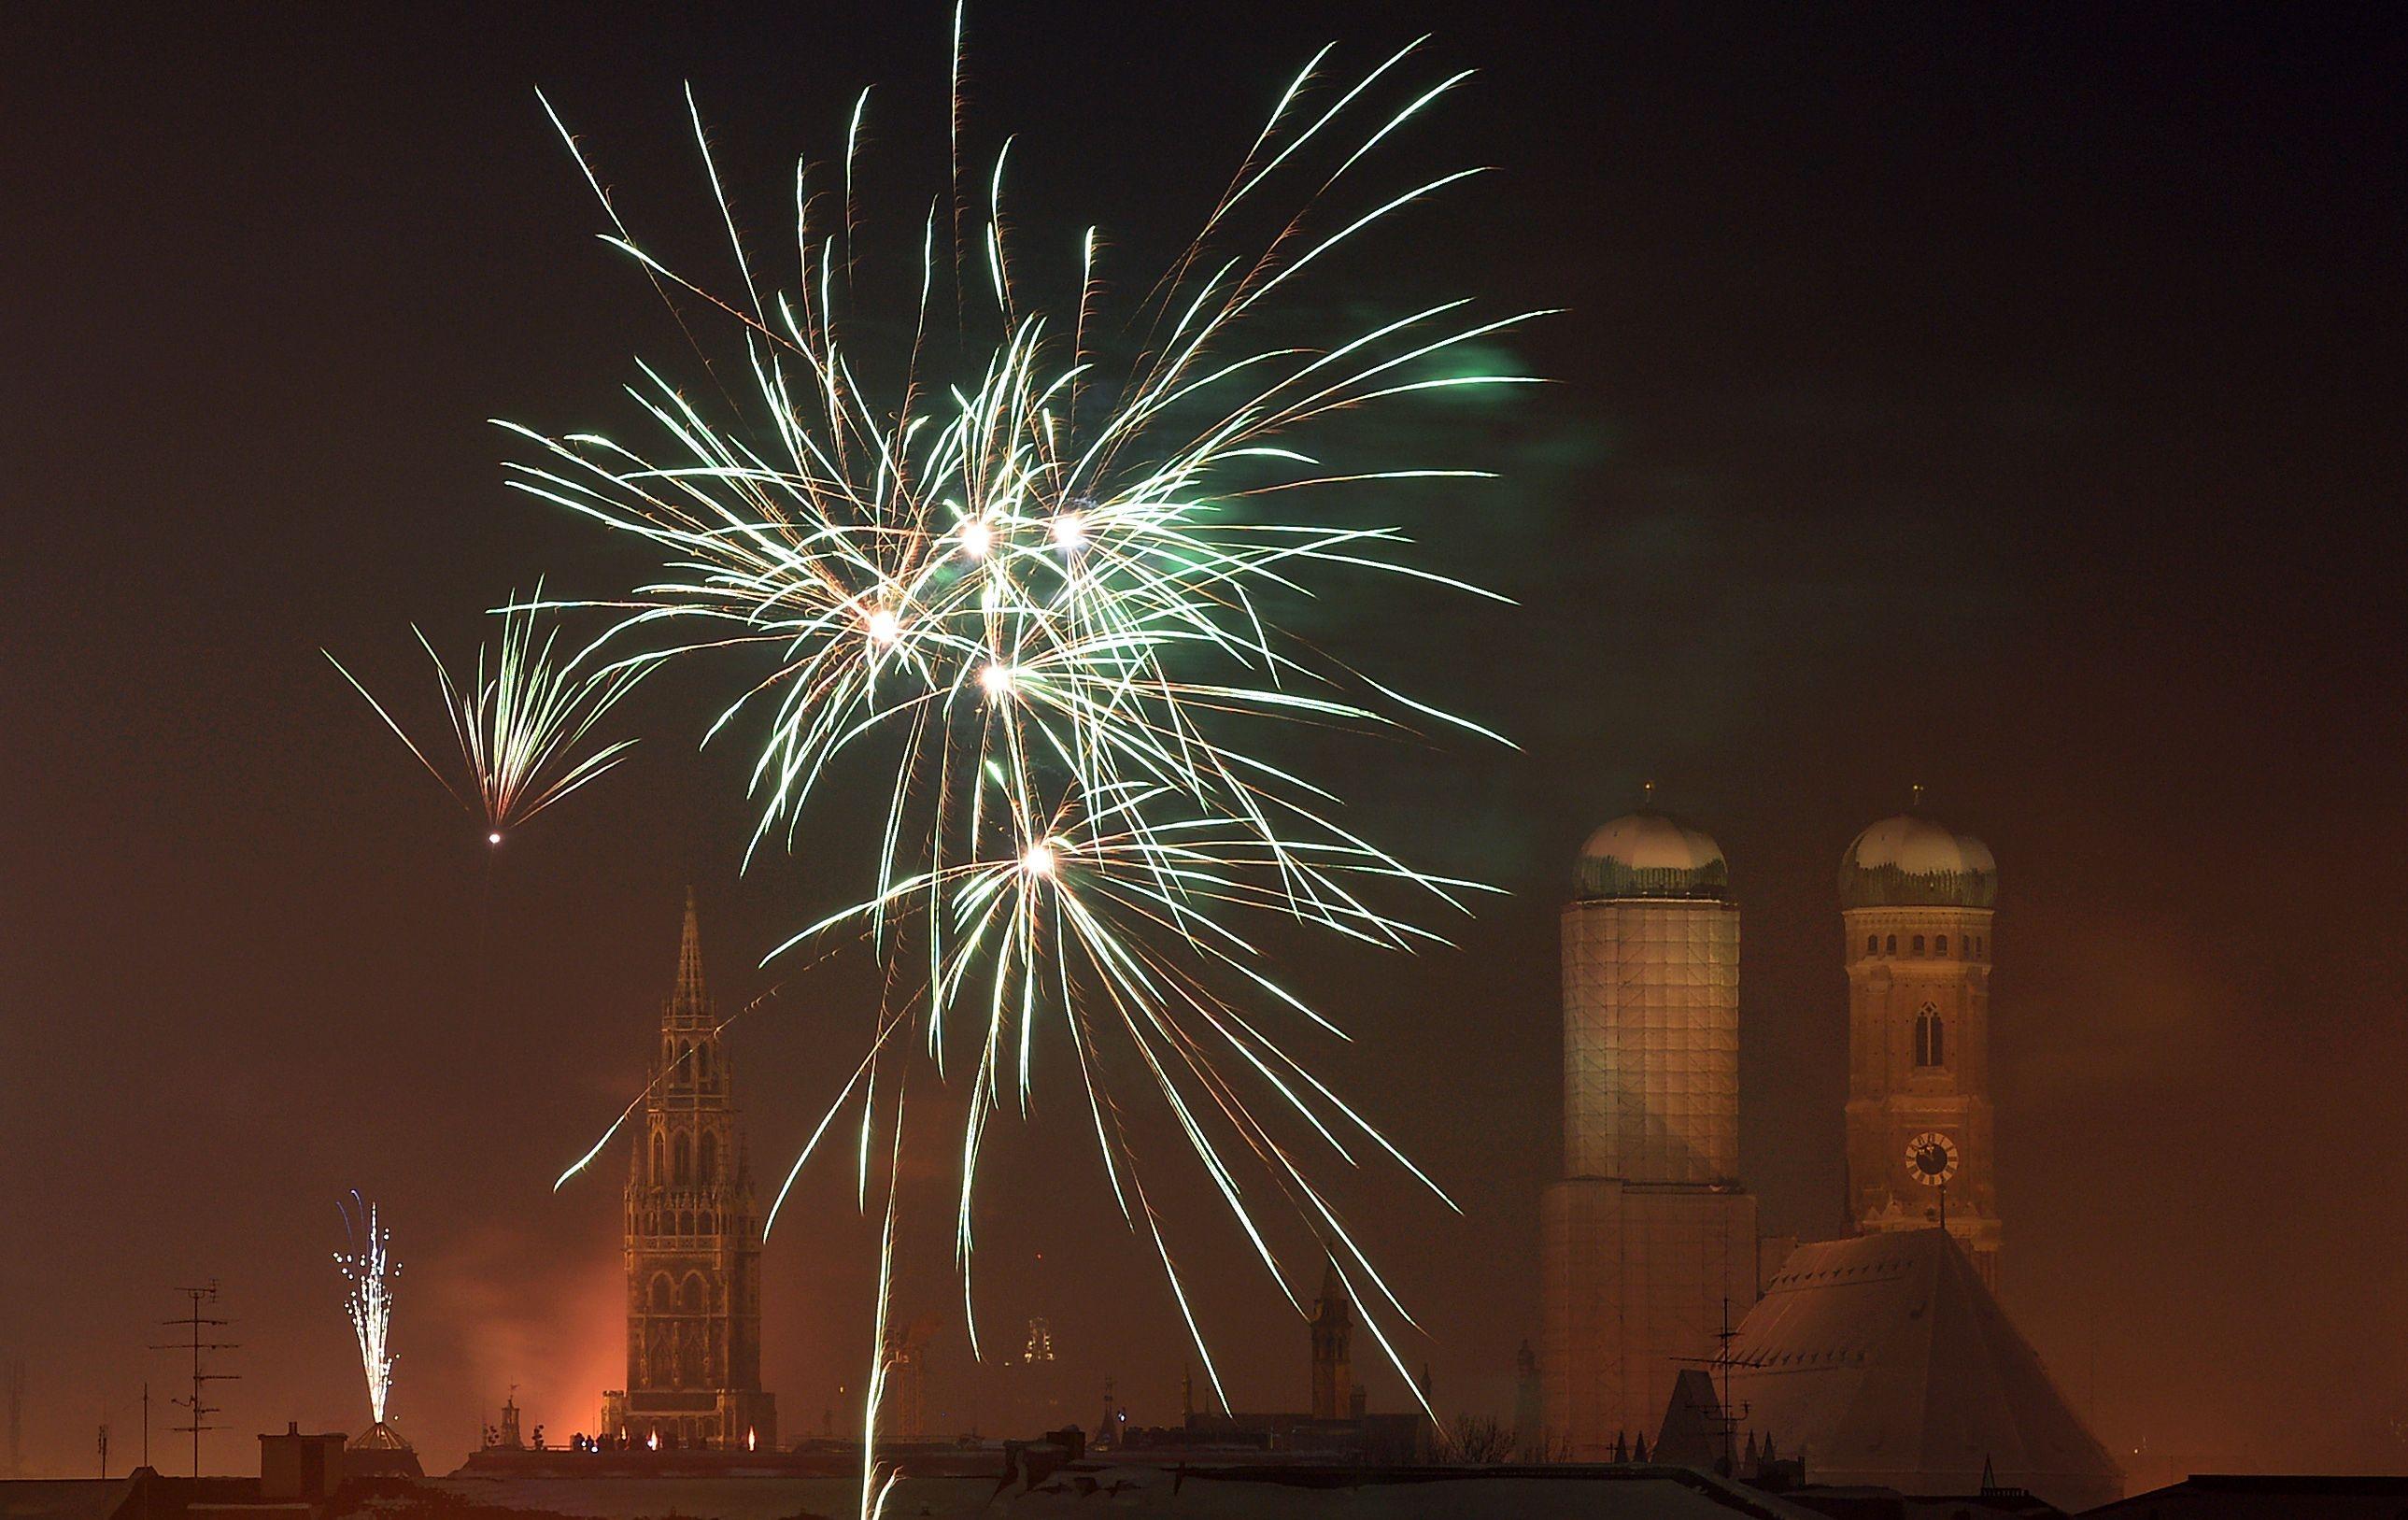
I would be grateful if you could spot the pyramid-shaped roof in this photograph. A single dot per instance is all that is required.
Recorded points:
(381, 1450)
(1888, 1362)
(1692, 1434)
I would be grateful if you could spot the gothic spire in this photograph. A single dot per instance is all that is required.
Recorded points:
(690, 997)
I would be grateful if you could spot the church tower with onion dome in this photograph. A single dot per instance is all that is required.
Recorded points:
(1648, 1238)
(693, 1248)
(1918, 902)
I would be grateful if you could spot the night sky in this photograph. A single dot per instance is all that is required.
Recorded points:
(2008, 404)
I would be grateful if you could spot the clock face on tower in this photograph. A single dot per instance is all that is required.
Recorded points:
(1932, 1159)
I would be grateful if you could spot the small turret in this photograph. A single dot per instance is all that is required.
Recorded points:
(1333, 1333)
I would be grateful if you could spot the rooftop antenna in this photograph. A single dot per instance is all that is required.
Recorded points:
(1647, 795)
(201, 1409)
(1729, 1417)
(1916, 806)
(1726, 1419)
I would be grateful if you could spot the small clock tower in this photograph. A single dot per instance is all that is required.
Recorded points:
(1918, 902)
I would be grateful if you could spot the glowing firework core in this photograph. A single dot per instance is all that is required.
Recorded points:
(885, 627)
(1038, 860)
(995, 680)
(977, 539)
(1071, 532)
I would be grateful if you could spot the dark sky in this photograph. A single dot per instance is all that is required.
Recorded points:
(2005, 402)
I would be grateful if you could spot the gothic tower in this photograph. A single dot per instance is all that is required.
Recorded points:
(692, 1244)
(1649, 1234)
(1917, 903)
(1333, 1335)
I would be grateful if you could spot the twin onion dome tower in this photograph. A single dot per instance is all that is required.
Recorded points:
(1650, 1244)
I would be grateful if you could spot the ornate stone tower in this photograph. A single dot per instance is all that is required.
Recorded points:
(1648, 1234)
(693, 1245)
(1917, 903)
(1333, 1335)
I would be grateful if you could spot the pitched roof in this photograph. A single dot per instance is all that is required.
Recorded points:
(63, 1499)
(2274, 1496)
(1886, 1358)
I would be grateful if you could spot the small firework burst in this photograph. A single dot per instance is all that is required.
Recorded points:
(521, 721)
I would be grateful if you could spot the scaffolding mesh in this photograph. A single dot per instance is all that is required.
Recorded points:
(1635, 1284)
(1650, 1042)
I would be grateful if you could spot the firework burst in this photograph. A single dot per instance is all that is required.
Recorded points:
(1039, 601)
(521, 721)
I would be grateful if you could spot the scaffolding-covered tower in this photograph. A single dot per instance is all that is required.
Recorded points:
(1648, 1234)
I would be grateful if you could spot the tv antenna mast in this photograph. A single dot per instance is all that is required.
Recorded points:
(1725, 1422)
(195, 1321)
(1726, 1418)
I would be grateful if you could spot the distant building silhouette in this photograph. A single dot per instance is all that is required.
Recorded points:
(1529, 1408)
(1333, 1365)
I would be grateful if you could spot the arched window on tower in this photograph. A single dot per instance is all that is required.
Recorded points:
(692, 1299)
(1941, 948)
(1873, 944)
(1918, 944)
(1931, 1038)
(1893, 946)
(659, 1176)
(702, 1065)
(680, 1162)
(661, 1293)
(707, 1169)
(685, 1071)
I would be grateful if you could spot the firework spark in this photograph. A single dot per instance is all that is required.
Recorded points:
(1039, 601)
(518, 722)
(370, 1270)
